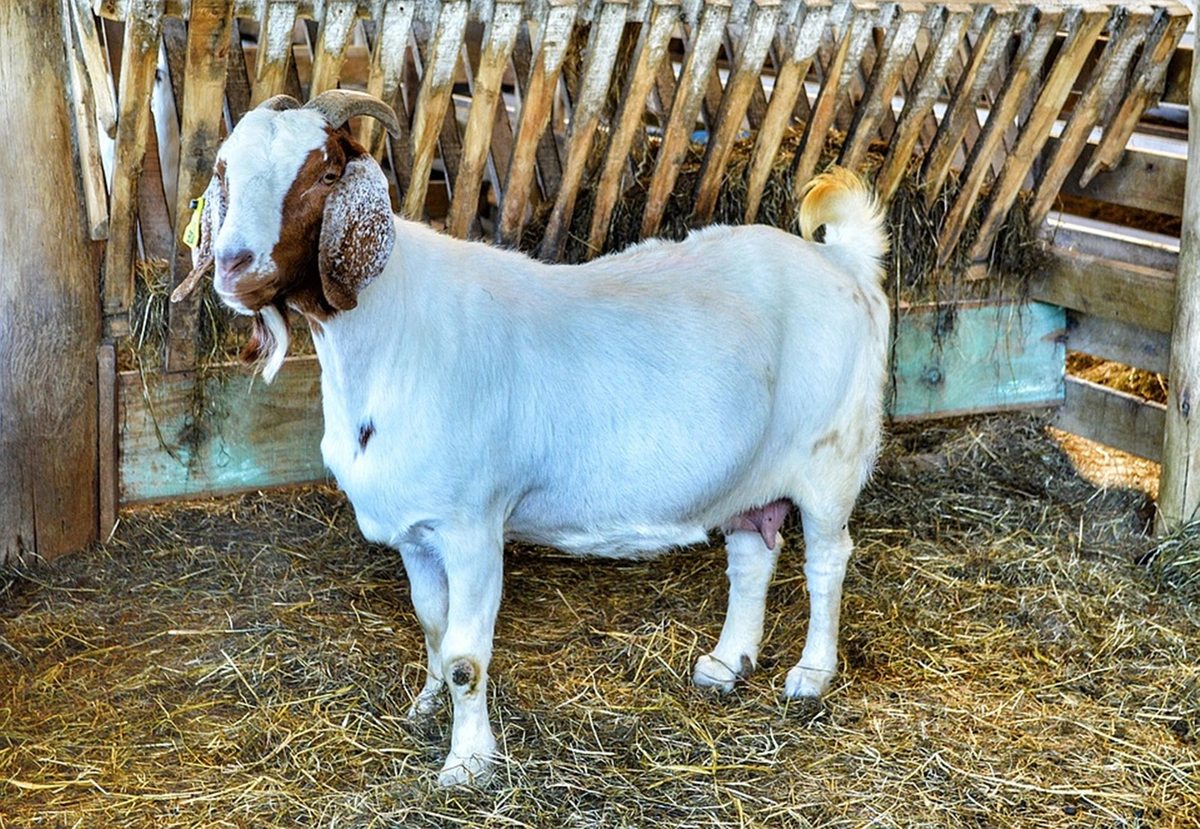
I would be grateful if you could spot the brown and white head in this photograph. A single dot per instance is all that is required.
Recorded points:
(297, 214)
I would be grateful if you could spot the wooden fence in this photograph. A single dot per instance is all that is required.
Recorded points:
(552, 116)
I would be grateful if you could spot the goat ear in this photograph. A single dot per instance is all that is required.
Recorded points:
(357, 233)
(206, 221)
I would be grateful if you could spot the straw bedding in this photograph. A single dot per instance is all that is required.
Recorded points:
(1016, 653)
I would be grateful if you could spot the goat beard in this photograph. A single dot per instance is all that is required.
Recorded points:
(269, 342)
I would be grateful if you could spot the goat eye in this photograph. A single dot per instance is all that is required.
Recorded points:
(330, 177)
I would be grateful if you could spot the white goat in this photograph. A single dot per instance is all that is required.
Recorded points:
(618, 408)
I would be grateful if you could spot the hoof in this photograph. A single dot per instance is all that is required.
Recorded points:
(424, 705)
(713, 673)
(475, 770)
(807, 682)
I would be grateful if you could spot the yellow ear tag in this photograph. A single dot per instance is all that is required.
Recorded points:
(191, 233)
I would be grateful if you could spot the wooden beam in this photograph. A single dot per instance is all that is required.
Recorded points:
(1116, 290)
(1114, 418)
(1120, 342)
(1143, 180)
(1179, 490)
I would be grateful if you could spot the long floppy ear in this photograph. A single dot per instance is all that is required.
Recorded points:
(357, 233)
(201, 231)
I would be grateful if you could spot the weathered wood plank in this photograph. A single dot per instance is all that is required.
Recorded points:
(337, 25)
(84, 115)
(1128, 293)
(838, 77)
(1014, 93)
(208, 36)
(748, 63)
(1083, 29)
(1126, 33)
(601, 55)
(947, 34)
(86, 37)
(260, 435)
(1119, 342)
(989, 48)
(881, 86)
(652, 48)
(1179, 490)
(1149, 74)
(546, 57)
(108, 479)
(437, 83)
(789, 83)
(1112, 417)
(499, 37)
(957, 359)
(386, 71)
(689, 95)
(275, 50)
(139, 58)
(1140, 179)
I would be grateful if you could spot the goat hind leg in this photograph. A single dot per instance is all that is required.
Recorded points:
(827, 549)
(751, 565)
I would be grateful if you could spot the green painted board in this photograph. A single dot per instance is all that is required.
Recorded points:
(956, 359)
(251, 435)
(977, 357)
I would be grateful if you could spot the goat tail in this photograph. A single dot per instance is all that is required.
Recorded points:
(853, 220)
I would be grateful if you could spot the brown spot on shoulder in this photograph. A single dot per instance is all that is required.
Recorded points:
(831, 439)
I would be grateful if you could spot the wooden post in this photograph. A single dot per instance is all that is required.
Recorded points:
(1179, 490)
(49, 302)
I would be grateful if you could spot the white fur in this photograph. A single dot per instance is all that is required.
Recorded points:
(616, 408)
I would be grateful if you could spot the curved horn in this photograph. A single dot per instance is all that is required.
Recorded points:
(278, 102)
(340, 105)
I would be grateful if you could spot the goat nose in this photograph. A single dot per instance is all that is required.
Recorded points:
(230, 262)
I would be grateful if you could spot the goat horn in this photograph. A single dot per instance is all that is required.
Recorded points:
(340, 105)
(278, 102)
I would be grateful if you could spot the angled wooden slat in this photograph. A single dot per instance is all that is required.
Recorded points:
(689, 95)
(1126, 34)
(1035, 44)
(546, 57)
(386, 71)
(789, 82)
(947, 32)
(84, 116)
(652, 48)
(95, 65)
(209, 30)
(838, 77)
(885, 77)
(139, 58)
(333, 36)
(1149, 77)
(238, 88)
(603, 44)
(274, 50)
(486, 97)
(748, 62)
(437, 83)
(1083, 29)
(989, 48)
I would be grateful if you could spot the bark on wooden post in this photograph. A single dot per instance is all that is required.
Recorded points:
(1179, 490)
(49, 301)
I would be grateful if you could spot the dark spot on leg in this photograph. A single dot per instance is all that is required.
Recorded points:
(463, 674)
(364, 434)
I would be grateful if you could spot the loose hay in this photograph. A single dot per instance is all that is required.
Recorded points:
(1007, 661)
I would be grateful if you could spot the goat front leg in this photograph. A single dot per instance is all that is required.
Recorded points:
(427, 583)
(751, 565)
(473, 562)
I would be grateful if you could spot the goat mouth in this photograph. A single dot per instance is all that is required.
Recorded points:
(246, 302)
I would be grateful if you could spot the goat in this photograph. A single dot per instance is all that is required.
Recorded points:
(617, 408)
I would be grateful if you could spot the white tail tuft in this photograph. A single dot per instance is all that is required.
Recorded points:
(853, 220)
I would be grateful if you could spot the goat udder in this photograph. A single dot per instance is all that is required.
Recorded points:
(765, 520)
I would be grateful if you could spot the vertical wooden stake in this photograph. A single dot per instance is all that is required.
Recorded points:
(1179, 490)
